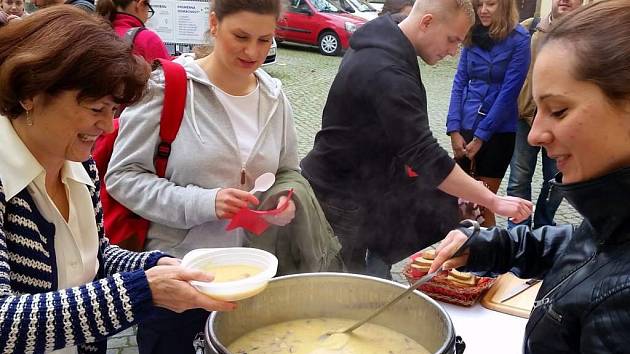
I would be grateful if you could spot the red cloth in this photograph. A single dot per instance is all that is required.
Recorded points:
(253, 220)
(147, 43)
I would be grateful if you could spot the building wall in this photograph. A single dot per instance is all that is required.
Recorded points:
(545, 7)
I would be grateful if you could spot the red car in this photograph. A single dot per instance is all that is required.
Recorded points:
(317, 22)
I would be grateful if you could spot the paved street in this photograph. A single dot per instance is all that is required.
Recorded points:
(307, 76)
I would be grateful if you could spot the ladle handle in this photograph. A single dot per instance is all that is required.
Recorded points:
(413, 287)
(424, 279)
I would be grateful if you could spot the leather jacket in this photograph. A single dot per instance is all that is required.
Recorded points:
(583, 305)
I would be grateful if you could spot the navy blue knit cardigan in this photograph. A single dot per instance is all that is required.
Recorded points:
(34, 315)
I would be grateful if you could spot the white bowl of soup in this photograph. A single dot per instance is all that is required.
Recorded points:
(238, 272)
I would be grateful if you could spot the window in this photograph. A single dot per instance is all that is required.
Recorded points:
(298, 6)
(324, 6)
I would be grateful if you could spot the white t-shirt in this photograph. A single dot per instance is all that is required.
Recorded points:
(243, 113)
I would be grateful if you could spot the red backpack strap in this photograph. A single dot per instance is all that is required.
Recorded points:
(172, 111)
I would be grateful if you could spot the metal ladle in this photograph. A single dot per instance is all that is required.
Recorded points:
(414, 286)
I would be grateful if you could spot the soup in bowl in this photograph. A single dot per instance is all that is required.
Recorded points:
(239, 272)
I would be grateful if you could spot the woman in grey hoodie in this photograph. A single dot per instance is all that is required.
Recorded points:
(237, 125)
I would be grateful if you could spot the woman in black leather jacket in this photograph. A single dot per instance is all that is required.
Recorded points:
(582, 90)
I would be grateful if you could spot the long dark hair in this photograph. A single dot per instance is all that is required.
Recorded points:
(224, 8)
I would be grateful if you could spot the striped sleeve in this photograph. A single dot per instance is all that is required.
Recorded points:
(116, 259)
(57, 319)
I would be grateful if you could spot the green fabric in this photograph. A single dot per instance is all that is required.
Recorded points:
(307, 243)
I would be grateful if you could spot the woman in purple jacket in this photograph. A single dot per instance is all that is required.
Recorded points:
(483, 111)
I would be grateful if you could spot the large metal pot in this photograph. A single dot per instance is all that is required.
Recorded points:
(334, 295)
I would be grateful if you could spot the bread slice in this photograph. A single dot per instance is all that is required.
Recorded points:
(421, 268)
(429, 254)
(460, 275)
(472, 281)
(422, 261)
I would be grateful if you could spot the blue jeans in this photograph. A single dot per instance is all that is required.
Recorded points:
(522, 169)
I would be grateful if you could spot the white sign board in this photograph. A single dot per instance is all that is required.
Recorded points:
(180, 22)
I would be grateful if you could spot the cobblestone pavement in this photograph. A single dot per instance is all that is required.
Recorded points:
(306, 76)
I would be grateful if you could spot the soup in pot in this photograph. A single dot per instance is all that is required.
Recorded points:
(306, 336)
(231, 272)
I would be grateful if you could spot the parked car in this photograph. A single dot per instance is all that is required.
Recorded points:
(179, 49)
(271, 55)
(359, 8)
(377, 4)
(318, 22)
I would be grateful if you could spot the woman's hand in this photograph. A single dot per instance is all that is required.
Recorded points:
(286, 216)
(473, 148)
(513, 207)
(230, 200)
(447, 248)
(171, 290)
(458, 144)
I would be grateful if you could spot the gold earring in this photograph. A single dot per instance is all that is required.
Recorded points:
(29, 119)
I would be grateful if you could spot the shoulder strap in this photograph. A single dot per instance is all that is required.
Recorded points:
(130, 35)
(533, 25)
(172, 111)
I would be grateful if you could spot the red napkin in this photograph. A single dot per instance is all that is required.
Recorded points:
(253, 220)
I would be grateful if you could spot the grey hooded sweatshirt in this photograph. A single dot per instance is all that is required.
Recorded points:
(204, 158)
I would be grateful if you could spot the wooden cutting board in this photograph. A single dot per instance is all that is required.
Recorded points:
(519, 305)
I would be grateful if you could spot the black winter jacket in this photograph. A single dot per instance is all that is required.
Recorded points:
(583, 305)
(376, 113)
(374, 123)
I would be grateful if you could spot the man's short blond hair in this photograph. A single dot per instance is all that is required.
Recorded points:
(444, 8)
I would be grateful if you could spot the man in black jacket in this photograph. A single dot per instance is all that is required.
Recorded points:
(375, 123)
